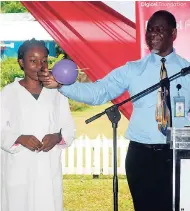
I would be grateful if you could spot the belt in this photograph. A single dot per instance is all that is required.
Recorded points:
(154, 147)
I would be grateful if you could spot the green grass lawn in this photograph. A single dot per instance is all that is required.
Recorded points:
(101, 125)
(83, 193)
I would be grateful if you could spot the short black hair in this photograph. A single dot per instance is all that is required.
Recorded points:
(169, 17)
(29, 44)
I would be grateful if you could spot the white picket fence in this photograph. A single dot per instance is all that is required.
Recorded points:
(94, 157)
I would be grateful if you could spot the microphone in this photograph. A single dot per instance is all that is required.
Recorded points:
(185, 71)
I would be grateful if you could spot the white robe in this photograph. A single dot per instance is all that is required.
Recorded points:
(32, 181)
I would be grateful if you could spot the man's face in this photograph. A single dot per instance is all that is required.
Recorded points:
(159, 35)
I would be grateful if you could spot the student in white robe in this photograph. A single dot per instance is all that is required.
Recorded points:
(36, 124)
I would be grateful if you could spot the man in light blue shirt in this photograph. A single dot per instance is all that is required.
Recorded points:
(135, 77)
(149, 159)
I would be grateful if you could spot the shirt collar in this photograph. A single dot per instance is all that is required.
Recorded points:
(169, 58)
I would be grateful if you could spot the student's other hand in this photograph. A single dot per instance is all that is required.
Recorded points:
(29, 141)
(49, 141)
(47, 79)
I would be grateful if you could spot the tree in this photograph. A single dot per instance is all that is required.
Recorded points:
(12, 7)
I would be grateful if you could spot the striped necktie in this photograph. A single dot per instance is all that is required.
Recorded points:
(163, 107)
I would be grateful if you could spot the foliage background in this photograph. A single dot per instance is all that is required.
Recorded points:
(12, 7)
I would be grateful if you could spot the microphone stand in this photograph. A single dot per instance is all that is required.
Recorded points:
(114, 116)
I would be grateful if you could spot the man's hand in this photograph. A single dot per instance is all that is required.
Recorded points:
(47, 79)
(29, 141)
(49, 141)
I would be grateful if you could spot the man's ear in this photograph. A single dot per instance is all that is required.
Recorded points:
(21, 63)
(174, 34)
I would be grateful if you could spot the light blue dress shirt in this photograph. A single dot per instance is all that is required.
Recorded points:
(135, 77)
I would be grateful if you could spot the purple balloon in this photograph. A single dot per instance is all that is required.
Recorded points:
(65, 72)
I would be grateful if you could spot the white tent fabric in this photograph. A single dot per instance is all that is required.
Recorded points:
(125, 8)
(21, 26)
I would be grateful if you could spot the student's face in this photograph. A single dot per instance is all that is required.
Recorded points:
(35, 59)
(160, 36)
